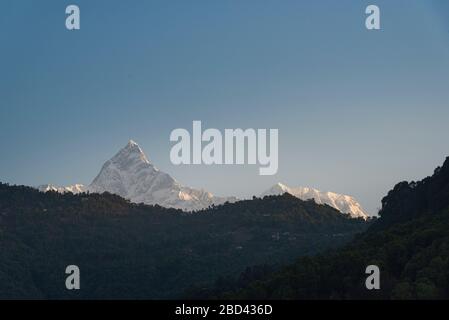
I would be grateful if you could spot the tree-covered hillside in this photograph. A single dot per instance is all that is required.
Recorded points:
(409, 243)
(126, 250)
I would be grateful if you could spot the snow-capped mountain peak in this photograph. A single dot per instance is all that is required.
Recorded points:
(130, 154)
(131, 175)
(342, 203)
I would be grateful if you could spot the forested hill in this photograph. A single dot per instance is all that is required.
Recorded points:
(409, 200)
(409, 243)
(126, 250)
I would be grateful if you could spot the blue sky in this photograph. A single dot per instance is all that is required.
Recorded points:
(357, 110)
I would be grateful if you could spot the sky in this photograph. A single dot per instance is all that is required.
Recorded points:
(357, 110)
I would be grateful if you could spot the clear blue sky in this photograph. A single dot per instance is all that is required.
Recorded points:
(357, 111)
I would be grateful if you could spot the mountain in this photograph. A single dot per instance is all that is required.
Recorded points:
(342, 203)
(132, 176)
(75, 189)
(134, 251)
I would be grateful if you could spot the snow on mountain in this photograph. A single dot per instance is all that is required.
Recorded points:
(131, 175)
(342, 203)
(76, 188)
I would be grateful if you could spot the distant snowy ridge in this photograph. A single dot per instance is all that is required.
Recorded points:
(342, 203)
(76, 188)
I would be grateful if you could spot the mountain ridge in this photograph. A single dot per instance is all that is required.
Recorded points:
(131, 175)
(341, 202)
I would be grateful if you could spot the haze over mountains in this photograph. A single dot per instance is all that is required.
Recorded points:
(132, 176)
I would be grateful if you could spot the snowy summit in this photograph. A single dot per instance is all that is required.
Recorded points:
(131, 175)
